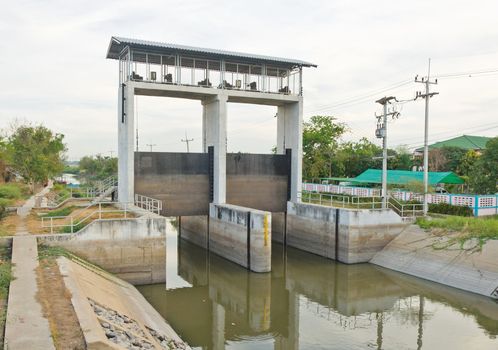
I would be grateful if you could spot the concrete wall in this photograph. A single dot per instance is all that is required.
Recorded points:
(180, 180)
(133, 249)
(472, 270)
(239, 234)
(278, 227)
(258, 181)
(195, 229)
(361, 233)
(242, 235)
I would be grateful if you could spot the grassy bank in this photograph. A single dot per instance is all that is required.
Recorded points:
(463, 229)
(5, 279)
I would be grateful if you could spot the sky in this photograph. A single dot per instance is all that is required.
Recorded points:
(54, 69)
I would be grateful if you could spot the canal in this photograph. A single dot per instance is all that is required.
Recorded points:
(308, 302)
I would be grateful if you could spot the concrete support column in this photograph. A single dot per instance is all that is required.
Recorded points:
(214, 130)
(126, 190)
(290, 135)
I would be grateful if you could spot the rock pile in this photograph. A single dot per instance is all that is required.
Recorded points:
(126, 332)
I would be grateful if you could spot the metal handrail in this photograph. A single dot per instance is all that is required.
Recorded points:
(145, 203)
(341, 201)
(150, 204)
(401, 208)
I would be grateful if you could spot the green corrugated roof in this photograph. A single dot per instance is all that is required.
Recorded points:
(402, 177)
(466, 142)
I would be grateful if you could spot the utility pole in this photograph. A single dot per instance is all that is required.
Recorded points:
(381, 132)
(427, 82)
(151, 145)
(111, 152)
(187, 140)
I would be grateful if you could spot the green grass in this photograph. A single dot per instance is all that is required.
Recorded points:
(5, 272)
(60, 212)
(466, 228)
(67, 229)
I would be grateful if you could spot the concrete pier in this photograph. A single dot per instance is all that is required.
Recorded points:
(241, 235)
(347, 235)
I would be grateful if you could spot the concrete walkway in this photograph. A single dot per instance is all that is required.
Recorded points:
(25, 327)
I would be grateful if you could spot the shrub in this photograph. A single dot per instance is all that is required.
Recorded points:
(445, 208)
(10, 191)
(60, 212)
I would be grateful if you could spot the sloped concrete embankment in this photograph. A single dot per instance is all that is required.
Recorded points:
(413, 253)
(347, 235)
(112, 313)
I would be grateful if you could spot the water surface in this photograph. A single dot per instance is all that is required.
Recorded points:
(308, 302)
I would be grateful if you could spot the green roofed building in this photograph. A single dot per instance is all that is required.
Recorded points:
(466, 142)
(403, 177)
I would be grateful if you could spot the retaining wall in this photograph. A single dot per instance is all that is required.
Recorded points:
(347, 235)
(134, 249)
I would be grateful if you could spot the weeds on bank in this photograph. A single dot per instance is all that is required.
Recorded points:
(462, 229)
(5, 272)
(60, 212)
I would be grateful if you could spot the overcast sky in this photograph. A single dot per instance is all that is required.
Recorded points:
(54, 71)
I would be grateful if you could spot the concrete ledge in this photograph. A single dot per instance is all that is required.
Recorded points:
(347, 235)
(113, 229)
(412, 253)
(241, 235)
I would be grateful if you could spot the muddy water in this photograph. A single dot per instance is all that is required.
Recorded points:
(308, 302)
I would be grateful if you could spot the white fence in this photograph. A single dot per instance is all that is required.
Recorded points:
(481, 204)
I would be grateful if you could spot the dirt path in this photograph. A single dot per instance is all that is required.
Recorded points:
(57, 307)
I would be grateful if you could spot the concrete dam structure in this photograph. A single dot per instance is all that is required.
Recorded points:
(234, 204)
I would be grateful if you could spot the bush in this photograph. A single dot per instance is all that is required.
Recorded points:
(445, 208)
(10, 191)
(60, 212)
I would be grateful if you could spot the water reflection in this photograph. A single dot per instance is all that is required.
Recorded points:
(308, 302)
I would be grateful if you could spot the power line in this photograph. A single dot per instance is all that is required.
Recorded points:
(187, 141)
(358, 98)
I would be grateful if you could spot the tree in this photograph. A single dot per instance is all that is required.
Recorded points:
(437, 160)
(36, 153)
(484, 174)
(320, 142)
(402, 159)
(453, 157)
(353, 158)
(467, 163)
(97, 167)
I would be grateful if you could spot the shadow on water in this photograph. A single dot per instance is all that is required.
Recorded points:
(311, 302)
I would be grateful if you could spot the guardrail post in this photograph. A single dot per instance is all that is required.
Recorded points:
(100, 210)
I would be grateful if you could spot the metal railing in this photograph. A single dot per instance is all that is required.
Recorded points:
(150, 204)
(104, 186)
(342, 201)
(76, 222)
(100, 188)
(404, 210)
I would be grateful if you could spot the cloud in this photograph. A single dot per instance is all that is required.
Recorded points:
(54, 68)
